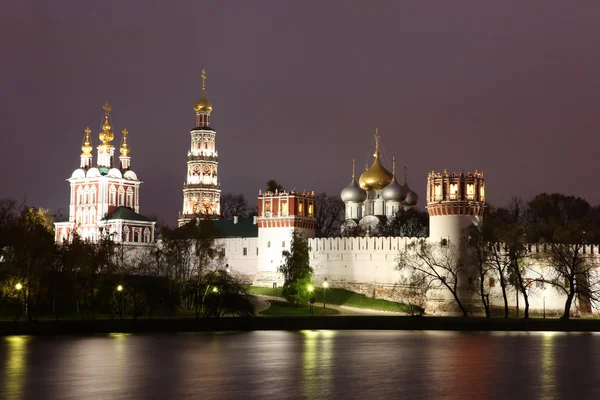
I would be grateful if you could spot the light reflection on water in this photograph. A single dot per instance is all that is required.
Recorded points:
(306, 364)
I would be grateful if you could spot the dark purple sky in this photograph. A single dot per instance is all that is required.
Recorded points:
(510, 88)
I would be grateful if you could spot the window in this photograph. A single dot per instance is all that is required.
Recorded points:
(437, 190)
(283, 244)
(482, 193)
(539, 284)
(310, 210)
(470, 191)
(129, 198)
(268, 244)
(492, 282)
(121, 196)
(112, 196)
(257, 251)
(245, 251)
(444, 242)
(300, 208)
(284, 208)
(453, 191)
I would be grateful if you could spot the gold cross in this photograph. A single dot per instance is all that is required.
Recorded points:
(107, 108)
(203, 75)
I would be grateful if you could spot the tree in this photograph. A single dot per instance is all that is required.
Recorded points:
(296, 270)
(493, 228)
(273, 186)
(330, 214)
(563, 224)
(406, 223)
(234, 206)
(438, 266)
(477, 255)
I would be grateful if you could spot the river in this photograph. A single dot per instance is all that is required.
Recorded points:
(303, 365)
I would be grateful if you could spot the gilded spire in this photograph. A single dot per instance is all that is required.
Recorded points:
(86, 148)
(106, 135)
(124, 146)
(376, 142)
(353, 169)
(203, 105)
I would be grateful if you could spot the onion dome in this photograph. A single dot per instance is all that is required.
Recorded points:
(203, 105)
(393, 191)
(353, 193)
(124, 146)
(376, 177)
(106, 135)
(411, 197)
(86, 148)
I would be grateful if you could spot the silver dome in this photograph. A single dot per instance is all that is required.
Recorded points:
(411, 198)
(394, 192)
(353, 193)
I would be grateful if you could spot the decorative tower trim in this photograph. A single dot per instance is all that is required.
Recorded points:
(125, 159)
(106, 149)
(86, 150)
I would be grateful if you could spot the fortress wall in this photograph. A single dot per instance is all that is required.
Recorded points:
(234, 255)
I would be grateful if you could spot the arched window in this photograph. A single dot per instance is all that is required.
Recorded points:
(112, 195)
(147, 235)
(121, 196)
(129, 197)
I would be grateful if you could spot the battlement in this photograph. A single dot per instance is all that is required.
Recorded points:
(445, 187)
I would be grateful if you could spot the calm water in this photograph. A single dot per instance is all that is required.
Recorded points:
(308, 364)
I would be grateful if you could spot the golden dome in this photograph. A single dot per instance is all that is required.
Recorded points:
(86, 148)
(203, 105)
(376, 177)
(106, 136)
(124, 147)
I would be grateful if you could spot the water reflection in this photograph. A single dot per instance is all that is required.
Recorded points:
(547, 379)
(306, 364)
(317, 366)
(15, 366)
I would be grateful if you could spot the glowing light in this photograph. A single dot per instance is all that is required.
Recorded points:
(215, 290)
(310, 288)
(120, 288)
(18, 286)
(325, 284)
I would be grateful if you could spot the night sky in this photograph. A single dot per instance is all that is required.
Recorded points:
(511, 89)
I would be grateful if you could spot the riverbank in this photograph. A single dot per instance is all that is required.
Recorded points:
(171, 325)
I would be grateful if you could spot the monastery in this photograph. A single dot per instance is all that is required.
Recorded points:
(104, 200)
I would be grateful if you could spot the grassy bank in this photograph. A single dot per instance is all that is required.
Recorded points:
(341, 297)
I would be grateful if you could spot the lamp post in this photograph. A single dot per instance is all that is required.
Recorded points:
(19, 287)
(325, 286)
(312, 298)
(120, 290)
(544, 301)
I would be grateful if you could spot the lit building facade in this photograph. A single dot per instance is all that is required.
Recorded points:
(201, 190)
(104, 199)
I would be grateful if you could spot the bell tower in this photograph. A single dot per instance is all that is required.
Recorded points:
(201, 190)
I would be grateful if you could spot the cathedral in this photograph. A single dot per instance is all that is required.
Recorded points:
(104, 203)
(104, 198)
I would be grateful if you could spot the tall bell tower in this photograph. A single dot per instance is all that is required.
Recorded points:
(201, 190)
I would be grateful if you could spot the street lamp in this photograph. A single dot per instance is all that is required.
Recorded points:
(120, 290)
(312, 298)
(19, 287)
(325, 286)
(544, 299)
(215, 290)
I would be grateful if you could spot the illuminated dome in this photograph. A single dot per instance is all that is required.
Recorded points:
(130, 175)
(114, 173)
(394, 192)
(78, 173)
(93, 172)
(203, 105)
(376, 177)
(353, 193)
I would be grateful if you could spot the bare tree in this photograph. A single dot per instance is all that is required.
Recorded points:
(234, 206)
(438, 265)
(330, 214)
(477, 252)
